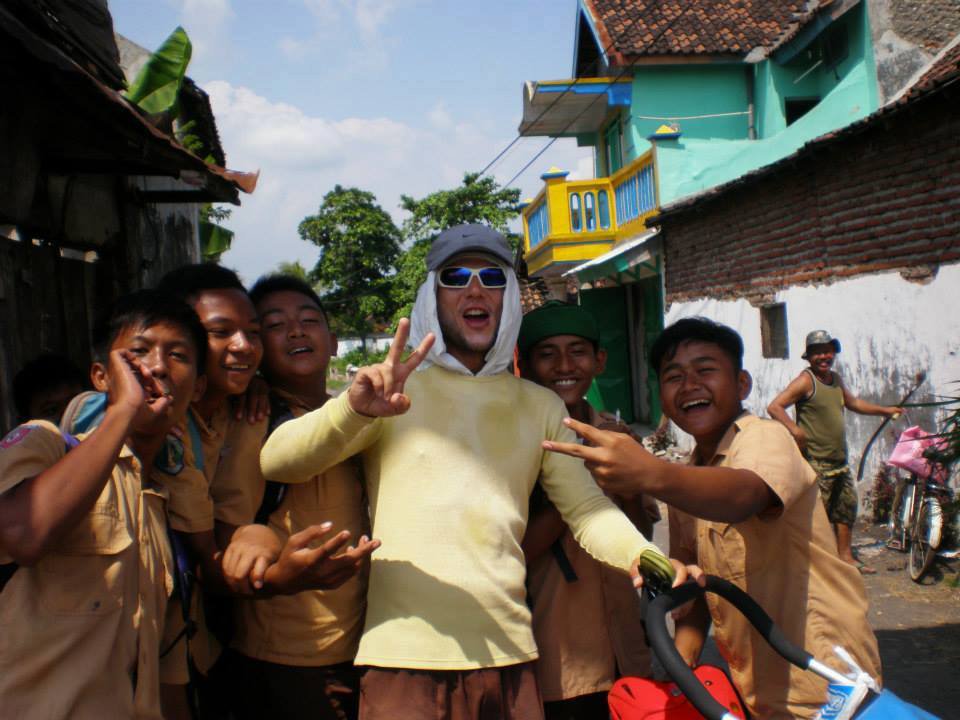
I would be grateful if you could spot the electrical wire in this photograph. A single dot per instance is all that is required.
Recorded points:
(610, 84)
(537, 118)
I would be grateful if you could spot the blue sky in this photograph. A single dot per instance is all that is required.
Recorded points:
(392, 96)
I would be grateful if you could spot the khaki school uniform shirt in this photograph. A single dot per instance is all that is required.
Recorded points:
(589, 632)
(229, 489)
(318, 627)
(787, 561)
(79, 631)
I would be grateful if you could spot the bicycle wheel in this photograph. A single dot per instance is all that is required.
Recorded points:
(901, 512)
(925, 538)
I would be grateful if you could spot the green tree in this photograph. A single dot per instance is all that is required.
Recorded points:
(358, 246)
(295, 269)
(477, 200)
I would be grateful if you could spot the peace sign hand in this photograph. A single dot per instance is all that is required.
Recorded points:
(617, 462)
(377, 390)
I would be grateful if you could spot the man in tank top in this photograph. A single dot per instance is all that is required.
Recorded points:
(820, 398)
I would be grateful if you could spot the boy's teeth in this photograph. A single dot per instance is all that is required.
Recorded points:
(565, 383)
(693, 403)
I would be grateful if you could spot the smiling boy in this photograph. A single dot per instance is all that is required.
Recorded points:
(81, 617)
(294, 654)
(586, 617)
(746, 508)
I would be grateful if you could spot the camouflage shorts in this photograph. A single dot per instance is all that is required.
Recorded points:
(837, 491)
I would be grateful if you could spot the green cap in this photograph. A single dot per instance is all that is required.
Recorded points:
(556, 318)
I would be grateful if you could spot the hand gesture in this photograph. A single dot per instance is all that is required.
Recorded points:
(245, 561)
(301, 567)
(131, 384)
(617, 462)
(377, 390)
(254, 403)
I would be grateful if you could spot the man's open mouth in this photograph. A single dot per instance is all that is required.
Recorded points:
(300, 350)
(476, 317)
(695, 404)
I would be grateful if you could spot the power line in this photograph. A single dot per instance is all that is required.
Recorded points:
(610, 84)
(537, 119)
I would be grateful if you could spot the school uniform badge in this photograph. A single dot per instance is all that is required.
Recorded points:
(16, 436)
(170, 458)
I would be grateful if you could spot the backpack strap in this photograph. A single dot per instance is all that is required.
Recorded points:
(273, 492)
(196, 442)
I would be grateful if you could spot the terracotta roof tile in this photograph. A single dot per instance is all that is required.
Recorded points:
(945, 69)
(698, 27)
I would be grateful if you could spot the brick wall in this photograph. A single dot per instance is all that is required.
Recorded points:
(885, 198)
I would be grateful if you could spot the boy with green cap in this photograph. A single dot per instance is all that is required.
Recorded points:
(586, 617)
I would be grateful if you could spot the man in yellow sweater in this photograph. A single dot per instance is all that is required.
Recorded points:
(451, 454)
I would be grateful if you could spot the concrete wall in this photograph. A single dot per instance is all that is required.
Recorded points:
(890, 330)
(906, 35)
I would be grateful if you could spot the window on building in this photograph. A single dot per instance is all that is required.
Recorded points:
(836, 46)
(589, 212)
(604, 203)
(796, 108)
(576, 216)
(773, 331)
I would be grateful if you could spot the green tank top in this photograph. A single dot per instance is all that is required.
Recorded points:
(820, 417)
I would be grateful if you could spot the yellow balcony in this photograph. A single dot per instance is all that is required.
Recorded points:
(571, 222)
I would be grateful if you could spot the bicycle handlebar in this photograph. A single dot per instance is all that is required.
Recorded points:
(663, 646)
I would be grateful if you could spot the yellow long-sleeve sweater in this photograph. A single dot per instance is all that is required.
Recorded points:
(449, 483)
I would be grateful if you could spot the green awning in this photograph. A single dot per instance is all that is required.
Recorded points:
(628, 262)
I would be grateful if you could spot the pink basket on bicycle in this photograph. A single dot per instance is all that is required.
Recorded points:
(909, 451)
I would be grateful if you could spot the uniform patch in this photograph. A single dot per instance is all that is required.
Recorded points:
(170, 458)
(16, 436)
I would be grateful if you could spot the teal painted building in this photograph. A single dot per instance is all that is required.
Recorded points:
(682, 95)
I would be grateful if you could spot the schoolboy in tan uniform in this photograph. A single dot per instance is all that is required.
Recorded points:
(747, 508)
(294, 654)
(586, 617)
(217, 506)
(81, 617)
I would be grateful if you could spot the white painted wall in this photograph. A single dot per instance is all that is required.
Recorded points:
(889, 330)
(345, 345)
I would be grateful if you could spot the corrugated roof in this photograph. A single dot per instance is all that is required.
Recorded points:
(697, 27)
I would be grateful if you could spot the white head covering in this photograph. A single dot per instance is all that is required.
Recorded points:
(424, 320)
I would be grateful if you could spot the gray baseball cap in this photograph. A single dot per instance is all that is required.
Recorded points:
(466, 238)
(821, 337)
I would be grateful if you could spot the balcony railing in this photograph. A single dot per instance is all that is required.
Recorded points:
(570, 222)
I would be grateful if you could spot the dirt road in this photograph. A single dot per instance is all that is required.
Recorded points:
(918, 626)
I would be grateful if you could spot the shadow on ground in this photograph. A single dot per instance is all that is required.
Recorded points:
(919, 665)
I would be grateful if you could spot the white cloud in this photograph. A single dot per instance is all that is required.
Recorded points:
(439, 116)
(365, 21)
(292, 48)
(368, 16)
(207, 22)
(301, 157)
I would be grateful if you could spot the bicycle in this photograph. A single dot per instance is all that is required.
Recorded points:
(916, 516)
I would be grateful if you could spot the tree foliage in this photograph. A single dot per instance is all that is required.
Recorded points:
(359, 244)
(294, 269)
(477, 200)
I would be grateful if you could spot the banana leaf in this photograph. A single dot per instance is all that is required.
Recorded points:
(156, 89)
(214, 240)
